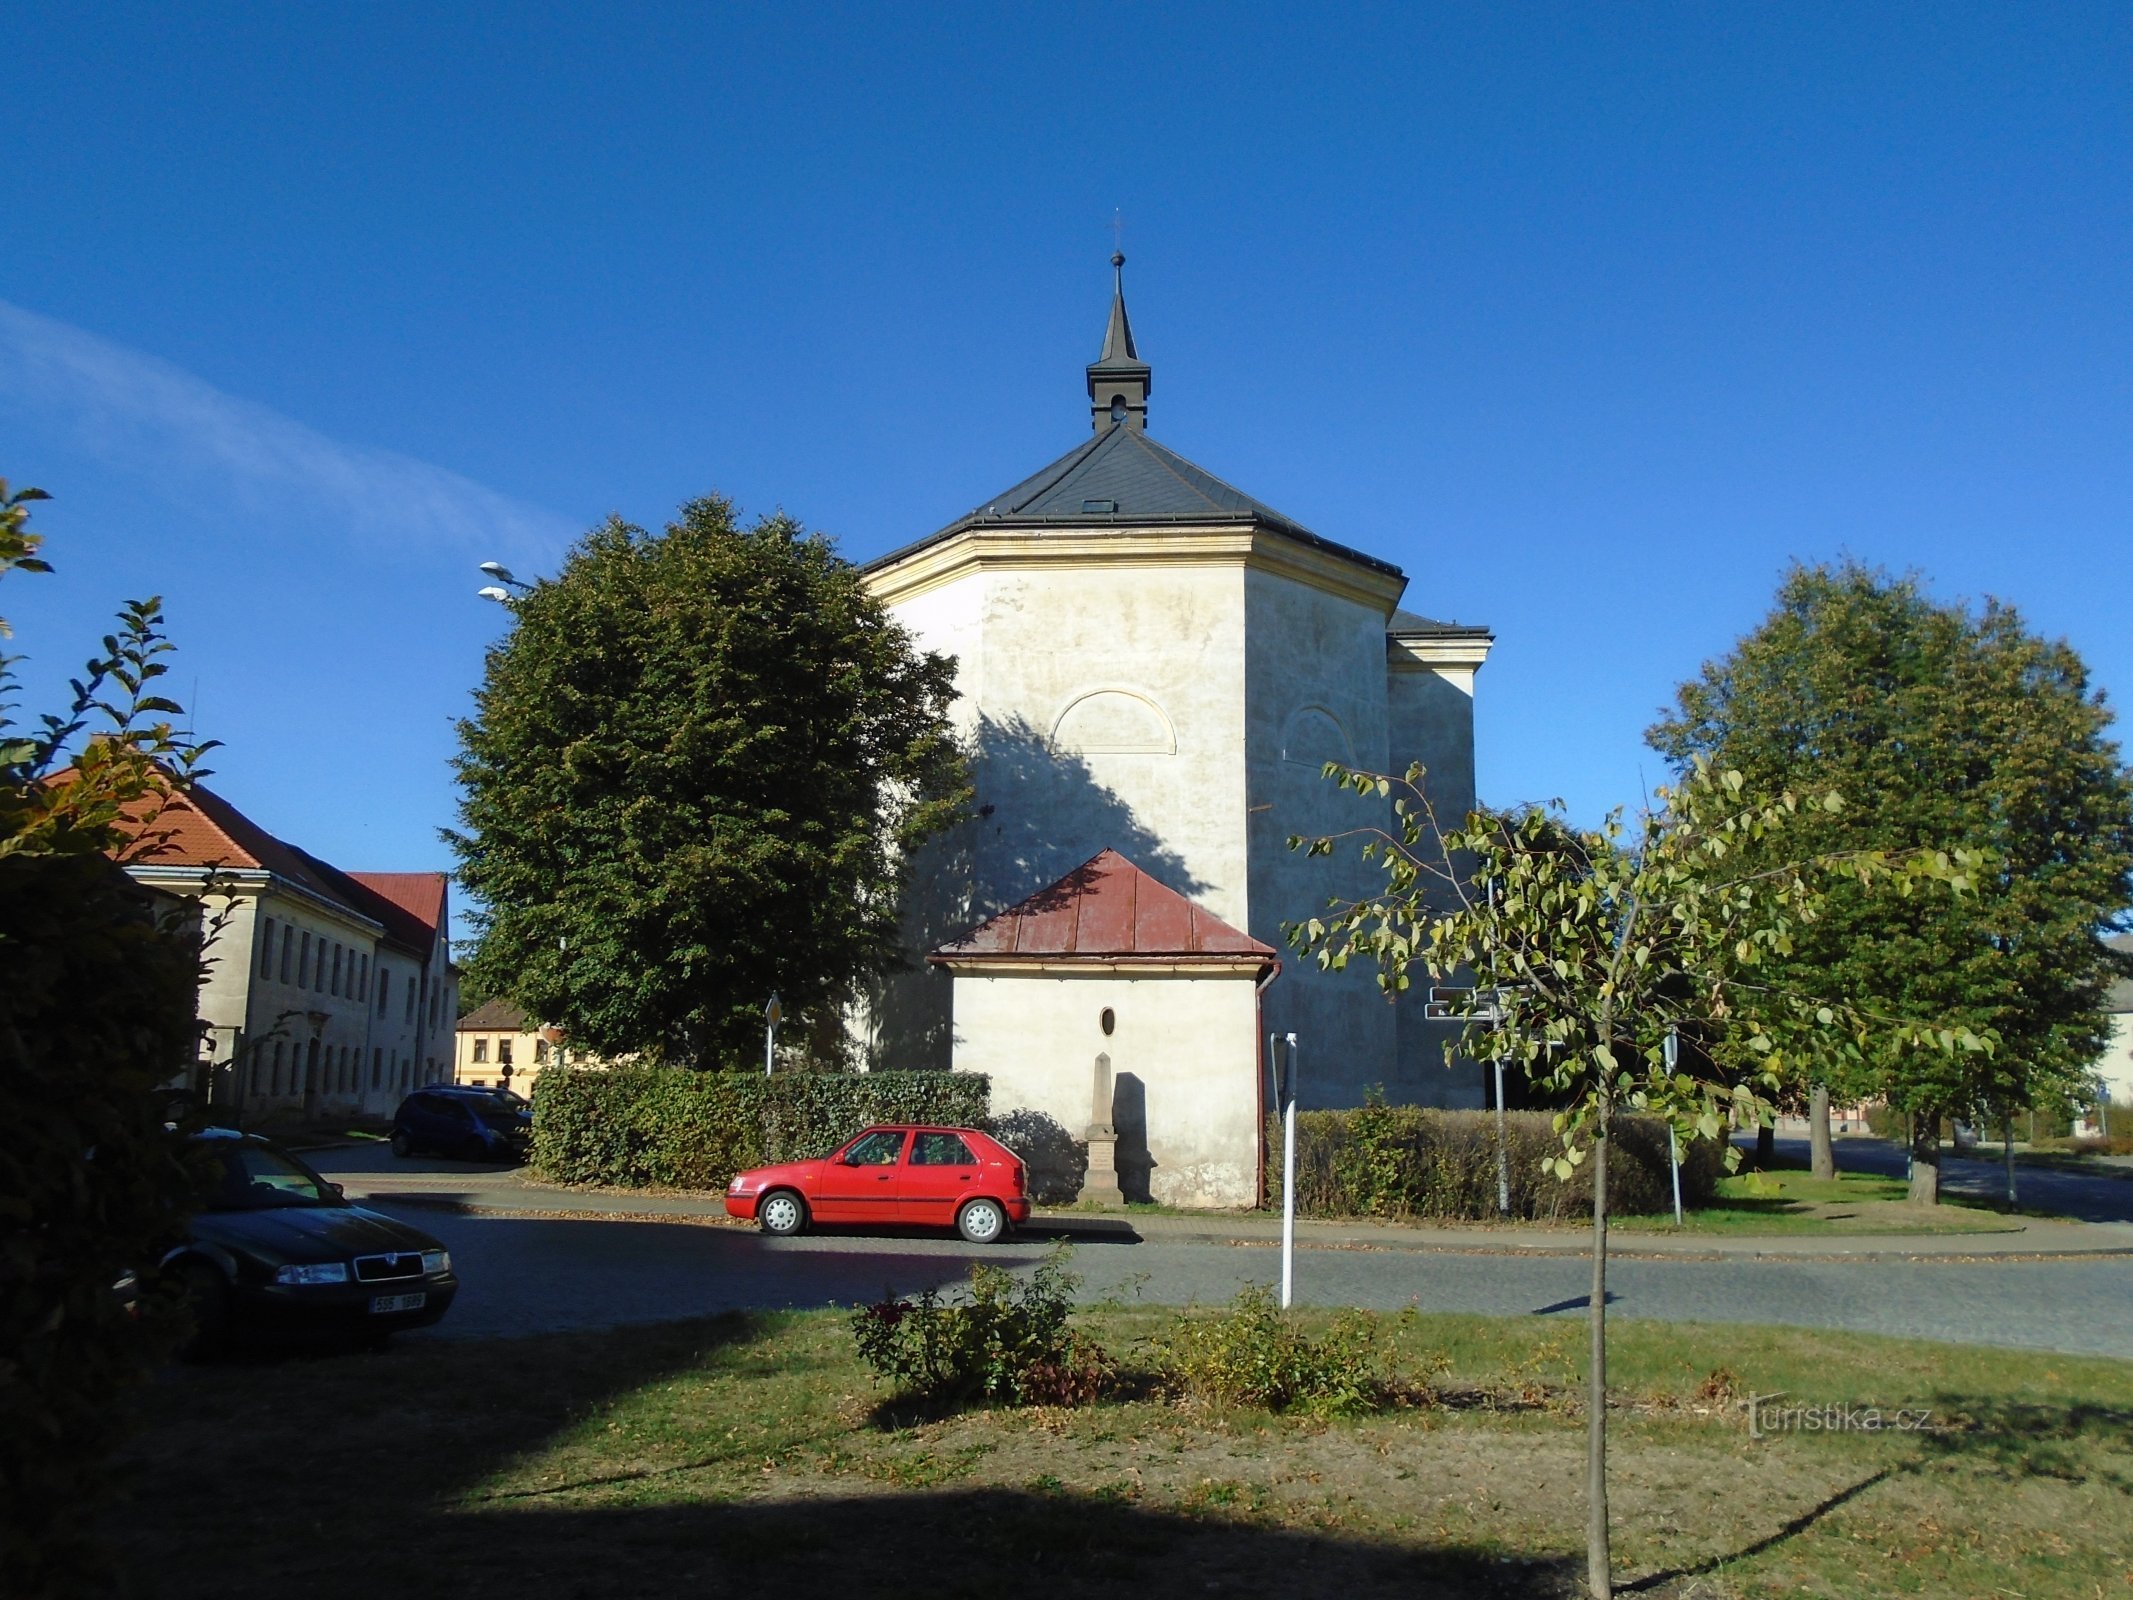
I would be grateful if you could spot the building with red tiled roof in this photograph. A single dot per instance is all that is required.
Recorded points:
(327, 990)
(1122, 1014)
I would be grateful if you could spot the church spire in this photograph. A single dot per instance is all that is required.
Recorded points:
(1119, 380)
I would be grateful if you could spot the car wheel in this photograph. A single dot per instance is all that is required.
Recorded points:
(207, 1302)
(403, 1146)
(982, 1222)
(781, 1213)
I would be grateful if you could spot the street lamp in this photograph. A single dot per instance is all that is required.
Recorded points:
(501, 590)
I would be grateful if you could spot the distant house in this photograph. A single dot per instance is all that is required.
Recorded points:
(496, 1046)
(327, 990)
(2115, 1069)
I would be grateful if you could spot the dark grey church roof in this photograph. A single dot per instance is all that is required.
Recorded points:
(1121, 477)
(1414, 624)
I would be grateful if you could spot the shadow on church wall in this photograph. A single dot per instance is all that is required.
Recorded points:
(1036, 814)
(1129, 1116)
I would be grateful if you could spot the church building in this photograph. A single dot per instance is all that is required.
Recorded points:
(1154, 667)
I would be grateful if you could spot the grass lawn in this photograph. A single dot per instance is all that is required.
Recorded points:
(1792, 1201)
(750, 1456)
(2073, 1161)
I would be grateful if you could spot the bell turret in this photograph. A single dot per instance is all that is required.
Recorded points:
(1119, 380)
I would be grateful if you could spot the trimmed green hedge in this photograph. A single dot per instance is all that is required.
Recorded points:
(1404, 1161)
(672, 1127)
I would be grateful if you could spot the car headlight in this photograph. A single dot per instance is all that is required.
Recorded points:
(436, 1261)
(313, 1272)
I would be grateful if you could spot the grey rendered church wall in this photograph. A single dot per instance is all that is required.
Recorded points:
(1111, 714)
(1432, 721)
(906, 1022)
(1255, 680)
(1315, 691)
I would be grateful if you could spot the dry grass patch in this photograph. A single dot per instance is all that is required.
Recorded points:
(736, 1456)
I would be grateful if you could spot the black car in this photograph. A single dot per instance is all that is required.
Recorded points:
(275, 1248)
(461, 1120)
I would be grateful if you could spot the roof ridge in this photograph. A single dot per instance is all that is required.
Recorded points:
(1067, 464)
(1164, 455)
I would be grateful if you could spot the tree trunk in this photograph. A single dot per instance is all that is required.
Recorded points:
(1820, 1156)
(1766, 1146)
(1599, 1574)
(1925, 1159)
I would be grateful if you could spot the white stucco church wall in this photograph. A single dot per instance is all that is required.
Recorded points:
(1183, 1087)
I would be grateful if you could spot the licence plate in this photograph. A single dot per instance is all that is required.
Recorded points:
(398, 1302)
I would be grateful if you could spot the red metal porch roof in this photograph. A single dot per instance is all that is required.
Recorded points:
(1106, 909)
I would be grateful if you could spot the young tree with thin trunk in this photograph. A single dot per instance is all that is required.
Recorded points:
(1587, 949)
(1947, 727)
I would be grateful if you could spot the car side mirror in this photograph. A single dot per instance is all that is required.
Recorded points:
(339, 1193)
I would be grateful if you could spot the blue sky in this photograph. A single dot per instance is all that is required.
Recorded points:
(1591, 317)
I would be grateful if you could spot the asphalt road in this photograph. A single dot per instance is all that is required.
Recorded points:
(2066, 1194)
(530, 1275)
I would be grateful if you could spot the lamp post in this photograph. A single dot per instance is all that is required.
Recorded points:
(501, 588)
(1673, 1145)
(318, 1021)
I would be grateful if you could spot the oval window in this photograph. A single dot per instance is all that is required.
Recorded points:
(1110, 1021)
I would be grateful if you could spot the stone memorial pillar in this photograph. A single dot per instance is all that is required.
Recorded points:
(1101, 1182)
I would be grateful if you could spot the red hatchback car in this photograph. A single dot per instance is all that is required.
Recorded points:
(940, 1177)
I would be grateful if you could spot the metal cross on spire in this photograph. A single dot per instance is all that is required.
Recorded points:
(1118, 232)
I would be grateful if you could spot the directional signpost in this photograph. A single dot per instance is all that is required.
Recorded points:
(1450, 1005)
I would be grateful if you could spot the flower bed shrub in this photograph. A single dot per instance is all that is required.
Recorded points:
(1255, 1354)
(672, 1127)
(1008, 1342)
(1408, 1161)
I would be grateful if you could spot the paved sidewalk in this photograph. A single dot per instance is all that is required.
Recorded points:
(496, 1191)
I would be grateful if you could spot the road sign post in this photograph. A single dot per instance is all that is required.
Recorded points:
(1281, 1059)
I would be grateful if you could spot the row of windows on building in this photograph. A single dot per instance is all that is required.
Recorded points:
(329, 967)
(503, 1052)
(338, 1069)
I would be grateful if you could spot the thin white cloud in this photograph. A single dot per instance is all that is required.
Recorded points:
(130, 407)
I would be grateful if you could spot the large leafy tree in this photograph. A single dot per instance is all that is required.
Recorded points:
(1589, 949)
(98, 981)
(1947, 727)
(696, 769)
